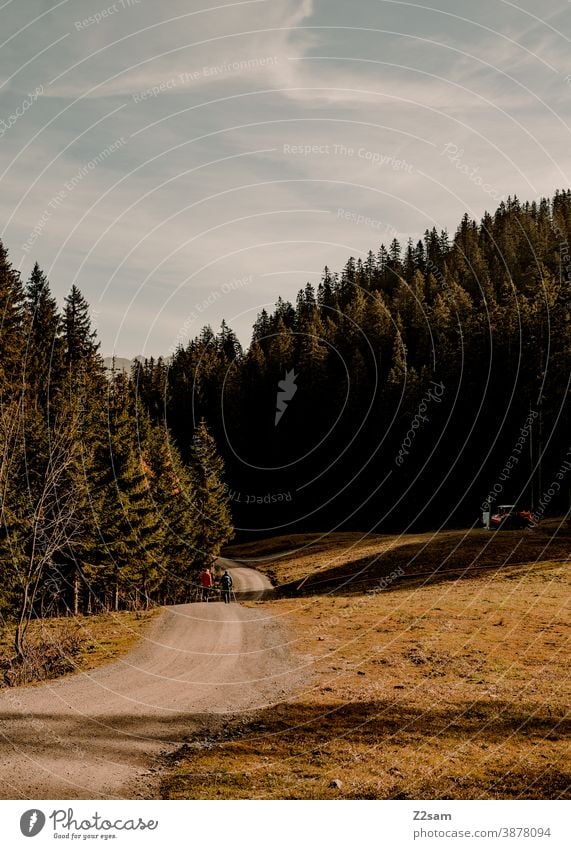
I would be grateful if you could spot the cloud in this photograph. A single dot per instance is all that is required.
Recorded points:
(233, 38)
(211, 185)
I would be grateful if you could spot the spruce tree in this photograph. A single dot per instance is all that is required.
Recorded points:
(171, 489)
(213, 521)
(43, 353)
(129, 525)
(228, 343)
(11, 328)
(80, 339)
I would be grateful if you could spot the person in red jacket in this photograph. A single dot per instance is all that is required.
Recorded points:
(206, 583)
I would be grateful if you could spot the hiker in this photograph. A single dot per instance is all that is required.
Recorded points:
(226, 582)
(206, 583)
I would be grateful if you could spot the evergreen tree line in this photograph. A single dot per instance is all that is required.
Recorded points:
(419, 372)
(98, 510)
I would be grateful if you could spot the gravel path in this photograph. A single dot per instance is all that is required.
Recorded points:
(94, 735)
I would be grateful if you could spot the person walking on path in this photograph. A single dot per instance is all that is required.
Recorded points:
(226, 586)
(206, 583)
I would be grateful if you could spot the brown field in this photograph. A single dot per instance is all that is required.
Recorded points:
(71, 644)
(451, 682)
(351, 562)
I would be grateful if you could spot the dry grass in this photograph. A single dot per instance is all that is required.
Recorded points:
(429, 689)
(70, 644)
(352, 562)
(289, 559)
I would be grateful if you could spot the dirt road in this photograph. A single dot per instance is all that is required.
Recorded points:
(94, 735)
(248, 583)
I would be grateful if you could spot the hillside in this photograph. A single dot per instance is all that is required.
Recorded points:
(351, 563)
(424, 690)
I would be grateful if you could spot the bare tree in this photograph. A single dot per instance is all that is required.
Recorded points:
(10, 425)
(10, 431)
(48, 519)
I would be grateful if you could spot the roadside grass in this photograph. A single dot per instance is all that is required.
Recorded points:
(62, 645)
(425, 690)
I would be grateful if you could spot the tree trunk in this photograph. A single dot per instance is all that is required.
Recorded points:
(76, 592)
(21, 627)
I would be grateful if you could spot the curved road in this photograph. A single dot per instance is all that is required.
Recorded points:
(248, 583)
(94, 735)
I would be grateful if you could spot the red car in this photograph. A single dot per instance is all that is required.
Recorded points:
(510, 517)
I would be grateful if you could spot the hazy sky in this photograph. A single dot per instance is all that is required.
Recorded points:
(185, 161)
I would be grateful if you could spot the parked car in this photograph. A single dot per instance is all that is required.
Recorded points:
(510, 517)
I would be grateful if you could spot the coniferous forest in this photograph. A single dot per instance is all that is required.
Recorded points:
(99, 511)
(403, 383)
(408, 390)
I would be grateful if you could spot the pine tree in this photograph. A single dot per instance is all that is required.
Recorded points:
(129, 526)
(213, 521)
(80, 339)
(399, 369)
(261, 328)
(228, 343)
(173, 498)
(43, 355)
(395, 256)
(12, 334)
(378, 330)
(281, 348)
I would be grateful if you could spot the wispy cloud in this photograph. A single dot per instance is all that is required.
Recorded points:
(197, 48)
(247, 127)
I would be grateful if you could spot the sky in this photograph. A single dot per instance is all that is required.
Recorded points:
(183, 162)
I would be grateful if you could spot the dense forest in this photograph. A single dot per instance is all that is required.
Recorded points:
(411, 389)
(98, 509)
